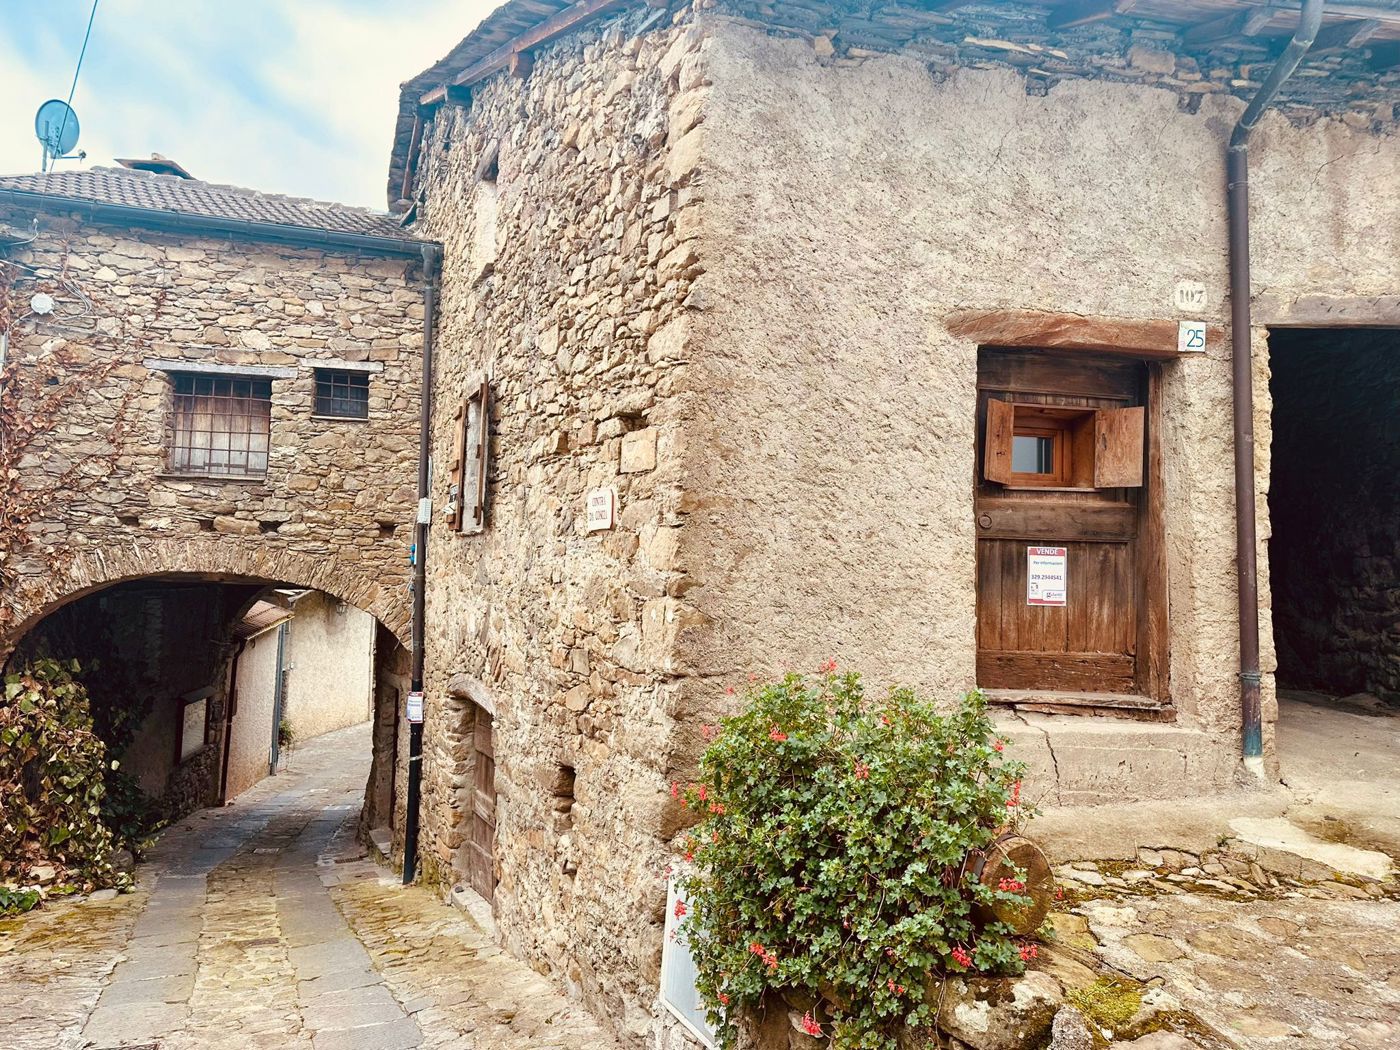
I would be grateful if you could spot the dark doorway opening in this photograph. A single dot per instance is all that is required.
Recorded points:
(1334, 504)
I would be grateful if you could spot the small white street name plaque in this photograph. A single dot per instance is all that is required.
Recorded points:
(415, 707)
(602, 509)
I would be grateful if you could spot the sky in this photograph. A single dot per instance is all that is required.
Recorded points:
(288, 96)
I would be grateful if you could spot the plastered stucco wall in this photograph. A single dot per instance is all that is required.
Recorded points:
(850, 209)
(250, 737)
(331, 661)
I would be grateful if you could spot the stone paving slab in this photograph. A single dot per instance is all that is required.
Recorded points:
(263, 925)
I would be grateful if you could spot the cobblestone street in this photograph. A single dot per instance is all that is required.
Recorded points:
(264, 924)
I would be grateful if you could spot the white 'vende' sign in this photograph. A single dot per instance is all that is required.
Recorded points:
(602, 509)
(415, 707)
(1191, 337)
(1046, 575)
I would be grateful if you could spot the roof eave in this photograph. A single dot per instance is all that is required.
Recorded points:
(186, 222)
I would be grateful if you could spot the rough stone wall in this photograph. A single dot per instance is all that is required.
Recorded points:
(852, 205)
(384, 798)
(331, 657)
(566, 281)
(1335, 551)
(334, 509)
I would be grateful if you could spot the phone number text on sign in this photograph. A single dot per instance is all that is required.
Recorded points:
(1047, 573)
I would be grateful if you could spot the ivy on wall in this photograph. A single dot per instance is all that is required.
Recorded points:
(52, 767)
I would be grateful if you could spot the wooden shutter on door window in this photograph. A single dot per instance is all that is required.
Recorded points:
(478, 454)
(1118, 448)
(455, 467)
(1001, 429)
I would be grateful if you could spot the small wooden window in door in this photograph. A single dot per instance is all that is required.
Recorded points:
(481, 842)
(1068, 461)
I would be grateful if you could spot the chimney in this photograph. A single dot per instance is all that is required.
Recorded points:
(157, 165)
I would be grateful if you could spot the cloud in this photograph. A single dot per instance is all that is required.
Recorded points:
(289, 98)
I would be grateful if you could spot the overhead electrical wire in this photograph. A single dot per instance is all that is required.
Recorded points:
(74, 87)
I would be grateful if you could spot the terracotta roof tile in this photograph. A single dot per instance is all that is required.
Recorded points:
(170, 193)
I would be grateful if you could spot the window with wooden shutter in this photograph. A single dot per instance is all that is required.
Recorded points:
(1055, 447)
(468, 468)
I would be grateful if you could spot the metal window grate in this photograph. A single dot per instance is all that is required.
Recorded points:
(221, 425)
(343, 394)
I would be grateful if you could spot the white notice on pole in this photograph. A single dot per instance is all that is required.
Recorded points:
(1046, 575)
(415, 707)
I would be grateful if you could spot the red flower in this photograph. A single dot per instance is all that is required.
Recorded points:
(771, 961)
(810, 1026)
(777, 734)
(1015, 799)
(680, 909)
(675, 790)
(755, 948)
(998, 746)
(1011, 885)
(1029, 952)
(723, 999)
(702, 792)
(862, 770)
(730, 690)
(829, 667)
(717, 808)
(962, 958)
(895, 989)
(708, 732)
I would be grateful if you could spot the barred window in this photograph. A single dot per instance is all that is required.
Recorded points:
(342, 394)
(221, 425)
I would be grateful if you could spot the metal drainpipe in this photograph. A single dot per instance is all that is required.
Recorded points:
(1241, 335)
(432, 257)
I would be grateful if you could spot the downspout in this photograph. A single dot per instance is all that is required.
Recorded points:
(1241, 335)
(278, 699)
(432, 257)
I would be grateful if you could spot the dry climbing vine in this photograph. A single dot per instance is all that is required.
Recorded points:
(55, 367)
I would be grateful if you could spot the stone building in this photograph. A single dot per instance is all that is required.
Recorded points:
(778, 332)
(208, 391)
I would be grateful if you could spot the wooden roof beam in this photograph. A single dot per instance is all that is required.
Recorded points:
(1241, 23)
(1083, 12)
(1343, 36)
(504, 57)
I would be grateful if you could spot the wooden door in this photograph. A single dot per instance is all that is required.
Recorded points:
(1067, 477)
(481, 843)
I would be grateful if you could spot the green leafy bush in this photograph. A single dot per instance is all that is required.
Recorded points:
(51, 779)
(831, 860)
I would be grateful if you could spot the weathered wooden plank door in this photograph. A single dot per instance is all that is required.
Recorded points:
(1063, 464)
(481, 843)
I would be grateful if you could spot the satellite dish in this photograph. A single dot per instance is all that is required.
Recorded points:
(56, 125)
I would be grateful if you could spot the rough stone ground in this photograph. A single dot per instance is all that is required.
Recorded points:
(1263, 961)
(1270, 946)
(264, 925)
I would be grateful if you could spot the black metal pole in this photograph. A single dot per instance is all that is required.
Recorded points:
(1242, 351)
(432, 255)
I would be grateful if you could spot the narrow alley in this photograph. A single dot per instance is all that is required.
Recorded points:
(264, 924)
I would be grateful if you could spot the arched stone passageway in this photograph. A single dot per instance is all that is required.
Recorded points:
(202, 671)
(214, 558)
